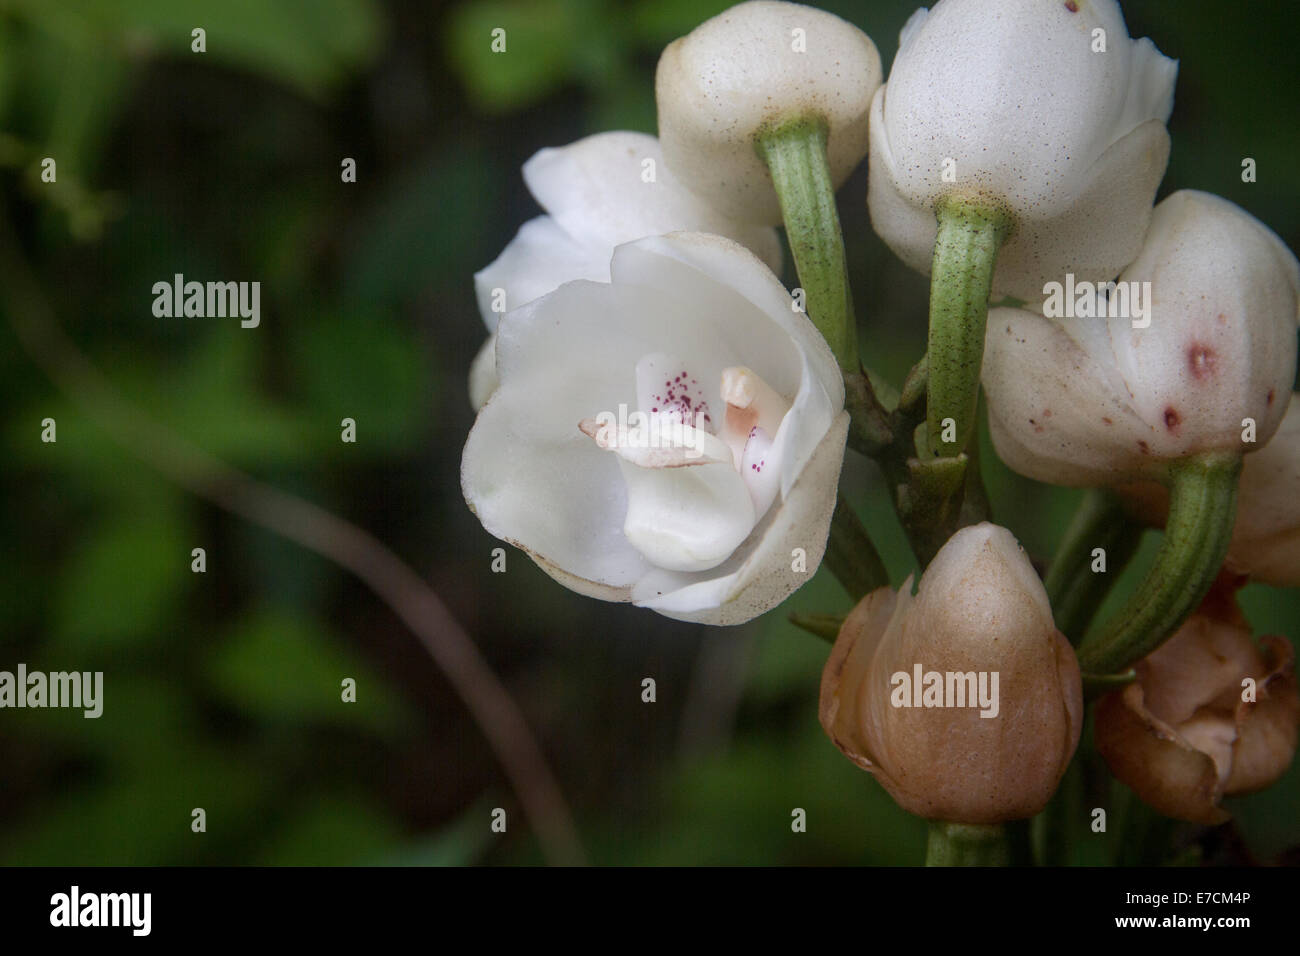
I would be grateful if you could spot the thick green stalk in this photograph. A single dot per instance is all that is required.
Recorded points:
(961, 279)
(825, 626)
(795, 153)
(965, 844)
(1074, 589)
(1202, 508)
(851, 556)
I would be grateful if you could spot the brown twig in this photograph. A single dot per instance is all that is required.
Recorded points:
(312, 527)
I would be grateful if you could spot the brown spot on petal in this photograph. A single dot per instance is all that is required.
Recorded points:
(1071, 6)
(1171, 419)
(1272, 394)
(1144, 448)
(1107, 420)
(1201, 360)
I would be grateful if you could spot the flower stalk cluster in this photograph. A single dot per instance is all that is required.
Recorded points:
(1144, 352)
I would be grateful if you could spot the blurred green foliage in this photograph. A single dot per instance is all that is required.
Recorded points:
(222, 689)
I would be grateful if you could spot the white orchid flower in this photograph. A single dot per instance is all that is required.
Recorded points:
(599, 192)
(671, 438)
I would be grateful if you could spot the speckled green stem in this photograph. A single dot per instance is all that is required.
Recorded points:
(965, 251)
(1202, 508)
(795, 153)
(1073, 588)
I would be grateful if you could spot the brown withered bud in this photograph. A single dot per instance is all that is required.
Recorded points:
(963, 700)
(1212, 714)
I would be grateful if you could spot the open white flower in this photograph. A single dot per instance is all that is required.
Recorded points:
(599, 192)
(752, 67)
(668, 438)
(1047, 110)
(1095, 401)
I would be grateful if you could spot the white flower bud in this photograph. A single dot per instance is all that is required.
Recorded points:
(1094, 401)
(746, 70)
(1047, 110)
(964, 700)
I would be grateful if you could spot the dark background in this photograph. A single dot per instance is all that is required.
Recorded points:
(222, 689)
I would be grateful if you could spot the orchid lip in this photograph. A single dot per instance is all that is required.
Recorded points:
(693, 522)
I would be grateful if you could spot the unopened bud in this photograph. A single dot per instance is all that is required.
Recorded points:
(750, 68)
(963, 700)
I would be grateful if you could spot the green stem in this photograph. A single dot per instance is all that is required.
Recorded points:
(1074, 589)
(825, 626)
(851, 556)
(932, 509)
(965, 844)
(961, 279)
(795, 153)
(1202, 507)
(869, 429)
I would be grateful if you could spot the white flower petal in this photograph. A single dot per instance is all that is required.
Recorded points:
(483, 374)
(760, 575)
(690, 517)
(1221, 345)
(540, 257)
(1054, 414)
(613, 188)
(1218, 349)
(1266, 538)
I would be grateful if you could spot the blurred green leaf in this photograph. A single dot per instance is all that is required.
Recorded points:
(329, 830)
(428, 222)
(310, 44)
(217, 402)
(459, 843)
(736, 809)
(367, 369)
(541, 40)
(146, 724)
(656, 23)
(121, 584)
(143, 819)
(275, 666)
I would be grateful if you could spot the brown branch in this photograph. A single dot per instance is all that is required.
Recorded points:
(312, 527)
